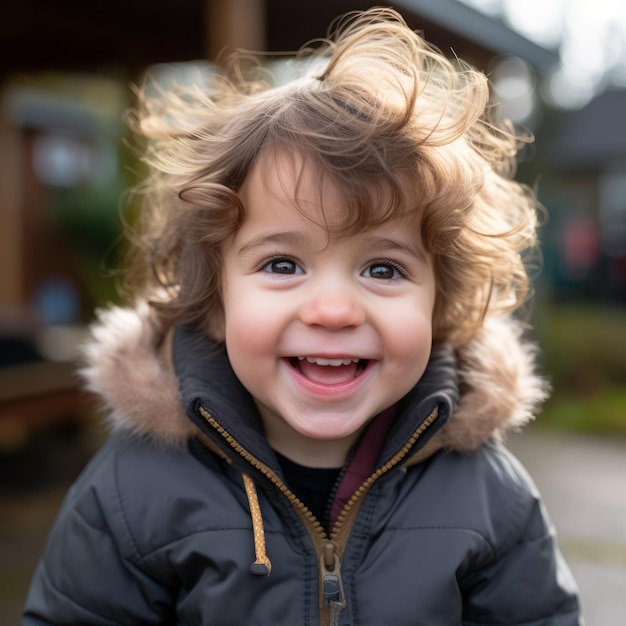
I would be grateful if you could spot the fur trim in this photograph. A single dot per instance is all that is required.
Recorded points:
(499, 388)
(138, 391)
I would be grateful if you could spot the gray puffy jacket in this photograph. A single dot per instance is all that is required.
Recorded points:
(184, 517)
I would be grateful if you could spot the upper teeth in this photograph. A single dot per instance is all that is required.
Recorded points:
(332, 362)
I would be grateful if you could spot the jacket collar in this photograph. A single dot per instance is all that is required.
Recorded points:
(207, 380)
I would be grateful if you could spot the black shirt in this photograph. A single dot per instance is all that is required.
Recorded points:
(312, 485)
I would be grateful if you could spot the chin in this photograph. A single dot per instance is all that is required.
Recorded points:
(329, 432)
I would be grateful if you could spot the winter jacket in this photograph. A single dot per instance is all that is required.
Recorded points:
(184, 515)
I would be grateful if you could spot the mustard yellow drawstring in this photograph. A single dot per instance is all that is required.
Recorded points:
(262, 566)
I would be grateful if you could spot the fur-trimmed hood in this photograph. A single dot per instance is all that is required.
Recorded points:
(128, 367)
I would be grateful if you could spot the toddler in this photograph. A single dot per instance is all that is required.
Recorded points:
(309, 390)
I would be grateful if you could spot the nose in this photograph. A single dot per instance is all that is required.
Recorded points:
(332, 309)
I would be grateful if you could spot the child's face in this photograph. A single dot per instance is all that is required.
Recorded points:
(323, 332)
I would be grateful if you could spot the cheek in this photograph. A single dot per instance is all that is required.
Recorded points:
(245, 349)
(242, 328)
(409, 343)
(250, 331)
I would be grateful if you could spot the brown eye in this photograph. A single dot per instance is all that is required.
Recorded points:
(381, 271)
(282, 266)
(384, 271)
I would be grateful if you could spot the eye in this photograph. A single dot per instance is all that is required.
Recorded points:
(282, 266)
(385, 270)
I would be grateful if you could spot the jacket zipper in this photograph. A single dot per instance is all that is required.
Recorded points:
(330, 548)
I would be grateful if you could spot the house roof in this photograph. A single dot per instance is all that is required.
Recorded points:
(493, 34)
(592, 138)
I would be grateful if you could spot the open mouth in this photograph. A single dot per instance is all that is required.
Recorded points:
(328, 371)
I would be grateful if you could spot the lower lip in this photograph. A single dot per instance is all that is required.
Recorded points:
(336, 391)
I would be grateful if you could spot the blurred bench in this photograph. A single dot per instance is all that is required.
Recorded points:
(36, 394)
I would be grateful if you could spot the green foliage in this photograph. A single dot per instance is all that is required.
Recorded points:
(603, 412)
(584, 355)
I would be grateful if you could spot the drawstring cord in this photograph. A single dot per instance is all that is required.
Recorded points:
(262, 566)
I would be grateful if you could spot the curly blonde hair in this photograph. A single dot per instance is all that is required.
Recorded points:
(389, 120)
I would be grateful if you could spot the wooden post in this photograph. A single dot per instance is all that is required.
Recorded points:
(234, 23)
(11, 253)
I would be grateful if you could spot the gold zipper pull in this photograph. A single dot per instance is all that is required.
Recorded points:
(332, 585)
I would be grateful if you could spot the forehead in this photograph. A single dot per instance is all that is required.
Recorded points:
(282, 180)
(288, 182)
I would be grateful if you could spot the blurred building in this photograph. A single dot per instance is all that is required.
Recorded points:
(585, 152)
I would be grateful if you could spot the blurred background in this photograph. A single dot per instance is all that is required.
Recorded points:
(67, 69)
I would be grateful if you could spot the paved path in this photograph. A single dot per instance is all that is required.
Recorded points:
(583, 482)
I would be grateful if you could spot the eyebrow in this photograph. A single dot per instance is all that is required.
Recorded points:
(283, 237)
(410, 247)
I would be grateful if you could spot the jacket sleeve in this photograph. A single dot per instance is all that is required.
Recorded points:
(87, 574)
(526, 582)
